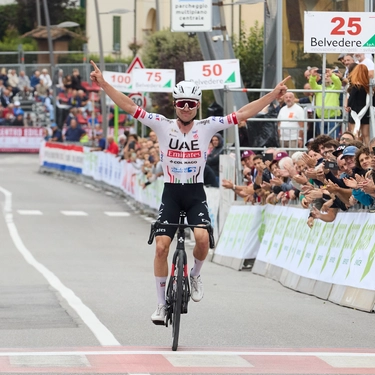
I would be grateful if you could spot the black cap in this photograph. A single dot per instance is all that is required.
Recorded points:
(309, 141)
(338, 150)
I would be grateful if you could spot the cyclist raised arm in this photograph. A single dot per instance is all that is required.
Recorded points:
(183, 144)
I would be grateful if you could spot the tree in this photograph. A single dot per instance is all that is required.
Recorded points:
(248, 48)
(167, 50)
(27, 14)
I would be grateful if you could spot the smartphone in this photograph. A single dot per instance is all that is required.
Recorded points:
(320, 71)
(373, 150)
(331, 165)
(267, 157)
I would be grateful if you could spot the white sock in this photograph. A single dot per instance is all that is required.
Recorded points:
(196, 270)
(160, 289)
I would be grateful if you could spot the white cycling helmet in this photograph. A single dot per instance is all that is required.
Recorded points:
(187, 90)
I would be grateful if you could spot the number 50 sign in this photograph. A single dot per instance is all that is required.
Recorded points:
(213, 74)
(339, 32)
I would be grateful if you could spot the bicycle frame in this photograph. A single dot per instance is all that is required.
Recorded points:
(178, 289)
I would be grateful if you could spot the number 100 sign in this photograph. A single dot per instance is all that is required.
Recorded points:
(339, 32)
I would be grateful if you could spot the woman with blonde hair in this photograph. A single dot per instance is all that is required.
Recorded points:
(359, 103)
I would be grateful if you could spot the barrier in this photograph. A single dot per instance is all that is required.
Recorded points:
(333, 261)
(20, 139)
(105, 167)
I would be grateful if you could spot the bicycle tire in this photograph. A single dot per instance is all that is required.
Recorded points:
(177, 302)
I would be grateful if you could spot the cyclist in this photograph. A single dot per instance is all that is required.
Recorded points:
(183, 144)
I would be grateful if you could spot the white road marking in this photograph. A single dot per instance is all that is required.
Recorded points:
(30, 212)
(349, 361)
(117, 214)
(104, 336)
(169, 353)
(74, 213)
(207, 361)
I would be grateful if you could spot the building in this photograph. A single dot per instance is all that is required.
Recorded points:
(142, 17)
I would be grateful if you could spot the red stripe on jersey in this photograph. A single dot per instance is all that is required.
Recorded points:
(138, 112)
(232, 118)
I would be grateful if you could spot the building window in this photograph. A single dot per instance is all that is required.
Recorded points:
(116, 33)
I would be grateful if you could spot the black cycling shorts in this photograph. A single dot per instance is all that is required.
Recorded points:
(190, 198)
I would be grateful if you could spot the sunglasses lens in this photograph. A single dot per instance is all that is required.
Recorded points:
(190, 103)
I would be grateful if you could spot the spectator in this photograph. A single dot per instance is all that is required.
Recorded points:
(347, 137)
(98, 139)
(5, 98)
(28, 121)
(46, 134)
(291, 133)
(17, 110)
(35, 79)
(13, 81)
(214, 157)
(58, 80)
(112, 146)
(152, 136)
(67, 81)
(121, 144)
(331, 99)
(74, 132)
(56, 133)
(41, 91)
(72, 115)
(4, 76)
(18, 120)
(48, 103)
(363, 60)
(76, 80)
(24, 83)
(359, 103)
(46, 78)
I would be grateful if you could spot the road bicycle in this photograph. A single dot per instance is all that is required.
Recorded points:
(178, 290)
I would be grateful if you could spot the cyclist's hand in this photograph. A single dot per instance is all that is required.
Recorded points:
(96, 75)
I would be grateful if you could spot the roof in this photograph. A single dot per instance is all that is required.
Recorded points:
(56, 33)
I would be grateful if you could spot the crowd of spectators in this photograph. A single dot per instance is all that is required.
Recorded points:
(328, 177)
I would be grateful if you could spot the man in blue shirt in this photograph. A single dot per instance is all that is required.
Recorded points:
(74, 132)
(56, 133)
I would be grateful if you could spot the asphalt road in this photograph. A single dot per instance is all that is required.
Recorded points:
(76, 281)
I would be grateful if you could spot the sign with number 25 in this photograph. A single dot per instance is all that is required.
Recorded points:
(339, 32)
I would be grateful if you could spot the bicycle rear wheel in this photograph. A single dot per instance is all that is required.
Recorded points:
(177, 301)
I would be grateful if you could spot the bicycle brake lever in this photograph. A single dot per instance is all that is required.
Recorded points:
(152, 234)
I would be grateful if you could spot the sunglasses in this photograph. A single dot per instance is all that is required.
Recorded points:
(182, 103)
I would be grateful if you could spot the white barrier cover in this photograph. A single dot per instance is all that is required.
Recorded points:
(240, 235)
(341, 252)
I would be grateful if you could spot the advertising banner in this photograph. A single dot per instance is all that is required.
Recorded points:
(339, 32)
(20, 139)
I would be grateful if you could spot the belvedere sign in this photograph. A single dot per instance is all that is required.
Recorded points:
(339, 32)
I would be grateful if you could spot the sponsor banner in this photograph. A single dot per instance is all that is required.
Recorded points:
(240, 237)
(341, 252)
(63, 157)
(20, 139)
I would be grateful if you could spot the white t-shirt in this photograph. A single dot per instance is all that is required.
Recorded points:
(369, 63)
(183, 156)
(289, 129)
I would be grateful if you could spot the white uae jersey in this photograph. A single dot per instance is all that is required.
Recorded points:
(183, 156)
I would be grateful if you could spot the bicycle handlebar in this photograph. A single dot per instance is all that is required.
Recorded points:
(158, 224)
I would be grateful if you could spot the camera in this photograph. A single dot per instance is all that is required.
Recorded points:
(331, 165)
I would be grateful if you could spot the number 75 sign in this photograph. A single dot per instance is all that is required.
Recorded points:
(339, 32)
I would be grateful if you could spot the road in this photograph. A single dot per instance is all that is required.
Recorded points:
(77, 292)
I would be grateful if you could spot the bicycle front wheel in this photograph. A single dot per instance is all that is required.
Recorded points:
(177, 301)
